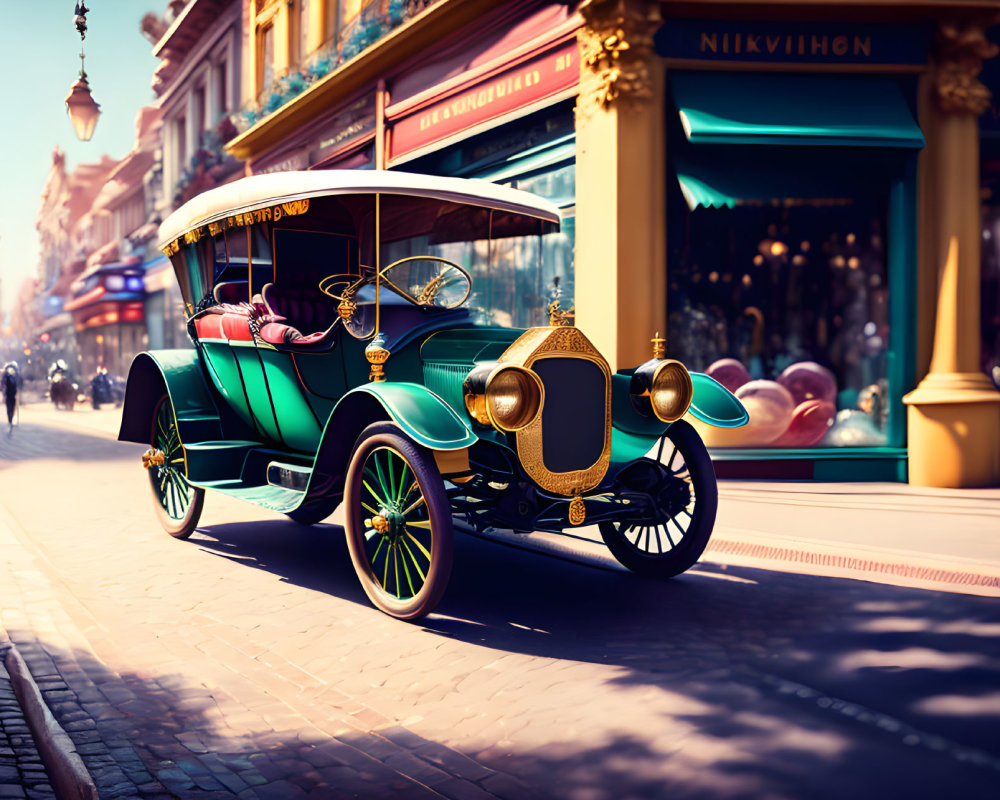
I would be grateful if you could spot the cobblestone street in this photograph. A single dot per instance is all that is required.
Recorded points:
(247, 662)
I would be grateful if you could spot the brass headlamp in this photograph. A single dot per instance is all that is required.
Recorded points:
(661, 387)
(506, 396)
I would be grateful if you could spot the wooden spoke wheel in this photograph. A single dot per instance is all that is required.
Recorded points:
(177, 503)
(399, 527)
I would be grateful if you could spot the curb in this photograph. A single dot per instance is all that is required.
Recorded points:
(736, 547)
(67, 773)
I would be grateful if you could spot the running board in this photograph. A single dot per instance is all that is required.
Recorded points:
(288, 476)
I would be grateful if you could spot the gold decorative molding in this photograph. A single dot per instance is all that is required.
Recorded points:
(616, 50)
(559, 342)
(959, 52)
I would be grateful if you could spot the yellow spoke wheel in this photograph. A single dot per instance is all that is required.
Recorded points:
(177, 503)
(398, 523)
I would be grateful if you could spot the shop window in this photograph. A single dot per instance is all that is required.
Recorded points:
(779, 288)
(221, 89)
(789, 211)
(180, 133)
(303, 30)
(990, 293)
(199, 114)
(265, 58)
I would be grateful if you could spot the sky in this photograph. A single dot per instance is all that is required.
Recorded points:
(39, 61)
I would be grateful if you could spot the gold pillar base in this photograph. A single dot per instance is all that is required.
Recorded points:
(953, 431)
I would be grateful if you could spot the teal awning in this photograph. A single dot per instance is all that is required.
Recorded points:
(727, 108)
(715, 176)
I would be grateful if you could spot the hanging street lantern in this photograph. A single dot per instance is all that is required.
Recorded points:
(83, 109)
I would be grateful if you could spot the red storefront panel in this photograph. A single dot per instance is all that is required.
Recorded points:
(527, 84)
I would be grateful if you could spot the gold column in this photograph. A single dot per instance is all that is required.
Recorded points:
(620, 180)
(953, 416)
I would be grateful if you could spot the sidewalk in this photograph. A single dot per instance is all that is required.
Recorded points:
(946, 539)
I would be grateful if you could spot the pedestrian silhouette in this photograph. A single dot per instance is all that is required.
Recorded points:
(9, 384)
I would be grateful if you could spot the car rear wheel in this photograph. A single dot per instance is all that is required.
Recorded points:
(398, 523)
(673, 542)
(177, 503)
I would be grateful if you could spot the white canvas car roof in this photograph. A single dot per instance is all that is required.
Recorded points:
(260, 191)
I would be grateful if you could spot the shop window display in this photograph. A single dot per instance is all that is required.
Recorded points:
(786, 303)
(990, 294)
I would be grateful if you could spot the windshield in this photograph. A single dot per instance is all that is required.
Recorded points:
(426, 282)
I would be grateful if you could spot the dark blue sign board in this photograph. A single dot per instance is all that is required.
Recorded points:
(792, 42)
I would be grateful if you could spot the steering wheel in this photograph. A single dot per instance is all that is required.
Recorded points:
(428, 292)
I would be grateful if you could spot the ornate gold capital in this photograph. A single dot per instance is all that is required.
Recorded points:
(616, 50)
(959, 52)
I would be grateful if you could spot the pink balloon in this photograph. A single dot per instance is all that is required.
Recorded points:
(770, 407)
(810, 422)
(807, 380)
(729, 372)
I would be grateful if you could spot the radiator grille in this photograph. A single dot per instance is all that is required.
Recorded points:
(573, 424)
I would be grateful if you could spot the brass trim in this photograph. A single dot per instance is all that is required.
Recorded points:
(560, 342)
(475, 406)
(659, 345)
(153, 458)
(453, 464)
(688, 382)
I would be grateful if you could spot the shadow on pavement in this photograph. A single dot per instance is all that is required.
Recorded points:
(313, 557)
(162, 735)
(878, 676)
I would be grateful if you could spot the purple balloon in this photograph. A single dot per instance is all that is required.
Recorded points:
(807, 380)
(729, 372)
(770, 407)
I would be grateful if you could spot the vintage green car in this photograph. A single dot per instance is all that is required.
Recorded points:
(345, 352)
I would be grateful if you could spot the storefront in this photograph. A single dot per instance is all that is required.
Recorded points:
(166, 321)
(791, 256)
(817, 168)
(107, 309)
(780, 189)
(989, 149)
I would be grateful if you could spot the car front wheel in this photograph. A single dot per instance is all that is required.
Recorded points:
(398, 523)
(673, 541)
(177, 503)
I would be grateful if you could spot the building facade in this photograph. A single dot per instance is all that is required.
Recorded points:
(776, 187)
(198, 85)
